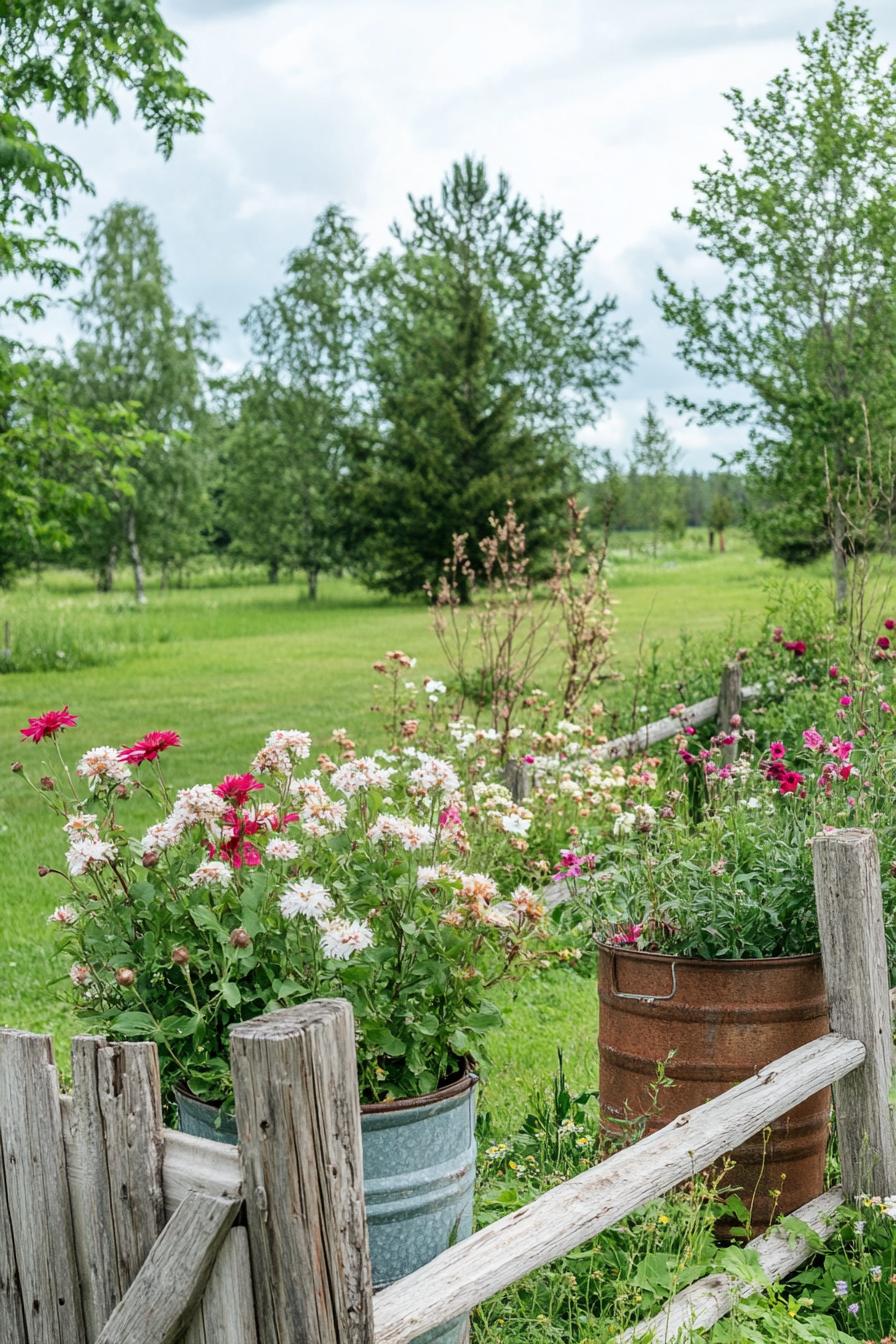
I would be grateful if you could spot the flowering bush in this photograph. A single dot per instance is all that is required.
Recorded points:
(855, 1279)
(275, 886)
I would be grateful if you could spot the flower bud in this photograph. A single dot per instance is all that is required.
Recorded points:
(180, 955)
(240, 938)
(150, 859)
(42, 870)
(48, 784)
(121, 791)
(17, 767)
(125, 976)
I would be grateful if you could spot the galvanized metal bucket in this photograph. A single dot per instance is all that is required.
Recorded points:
(711, 1024)
(419, 1170)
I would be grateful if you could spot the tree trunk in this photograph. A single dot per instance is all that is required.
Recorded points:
(712, 540)
(838, 554)
(273, 571)
(721, 542)
(312, 583)
(106, 578)
(136, 561)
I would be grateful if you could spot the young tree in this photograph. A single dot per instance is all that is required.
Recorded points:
(58, 464)
(801, 217)
(75, 60)
(301, 404)
(488, 356)
(653, 459)
(137, 349)
(719, 518)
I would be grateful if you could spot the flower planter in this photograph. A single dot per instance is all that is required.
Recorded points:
(419, 1169)
(723, 1020)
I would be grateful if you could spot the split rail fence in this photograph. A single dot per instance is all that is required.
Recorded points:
(116, 1230)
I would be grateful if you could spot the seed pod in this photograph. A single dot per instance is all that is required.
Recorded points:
(48, 784)
(180, 955)
(42, 870)
(125, 976)
(240, 938)
(150, 859)
(17, 767)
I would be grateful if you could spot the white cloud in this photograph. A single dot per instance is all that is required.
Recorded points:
(603, 111)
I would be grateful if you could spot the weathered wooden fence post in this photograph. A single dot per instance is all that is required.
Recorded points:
(854, 951)
(730, 703)
(296, 1089)
(40, 1298)
(517, 779)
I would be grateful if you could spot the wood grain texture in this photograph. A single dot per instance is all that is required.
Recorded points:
(115, 1138)
(517, 779)
(730, 697)
(160, 1303)
(35, 1194)
(701, 1304)
(854, 953)
(298, 1113)
(558, 1221)
(227, 1312)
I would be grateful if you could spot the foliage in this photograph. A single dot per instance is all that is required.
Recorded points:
(801, 216)
(854, 1276)
(487, 357)
(58, 463)
(75, 63)
(299, 407)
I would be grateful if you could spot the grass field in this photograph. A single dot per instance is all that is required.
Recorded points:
(224, 664)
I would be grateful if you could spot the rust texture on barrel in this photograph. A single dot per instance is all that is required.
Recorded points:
(711, 1024)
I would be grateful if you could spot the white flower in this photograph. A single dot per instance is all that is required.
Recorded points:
(85, 854)
(212, 873)
(341, 937)
(624, 823)
(63, 914)
(888, 1206)
(434, 775)
(364, 773)
(426, 875)
(514, 824)
(101, 765)
(198, 806)
(411, 835)
(83, 823)
(291, 740)
(281, 848)
(79, 975)
(162, 835)
(753, 804)
(306, 897)
(434, 687)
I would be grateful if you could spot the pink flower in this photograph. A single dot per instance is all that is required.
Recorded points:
(885, 708)
(149, 747)
(778, 634)
(571, 864)
(529, 760)
(833, 670)
(813, 738)
(777, 751)
(846, 701)
(796, 646)
(791, 781)
(49, 724)
(625, 937)
(450, 816)
(235, 789)
(889, 624)
(689, 729)
(842, 750)
(687, 756)
(883, 642)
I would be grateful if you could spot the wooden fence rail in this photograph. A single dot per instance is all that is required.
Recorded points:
(114, 1229)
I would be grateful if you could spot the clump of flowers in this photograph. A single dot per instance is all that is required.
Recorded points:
(276, 885)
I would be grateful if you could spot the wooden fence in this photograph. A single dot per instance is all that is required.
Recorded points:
(117, 1230)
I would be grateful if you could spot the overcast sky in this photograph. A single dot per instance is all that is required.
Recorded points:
(604, 109)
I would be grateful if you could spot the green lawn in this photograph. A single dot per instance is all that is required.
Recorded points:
(225, 664)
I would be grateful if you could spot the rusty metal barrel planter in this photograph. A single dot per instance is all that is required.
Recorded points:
(723, 1020)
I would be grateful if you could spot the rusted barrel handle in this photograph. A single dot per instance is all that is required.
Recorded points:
(643, 998)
